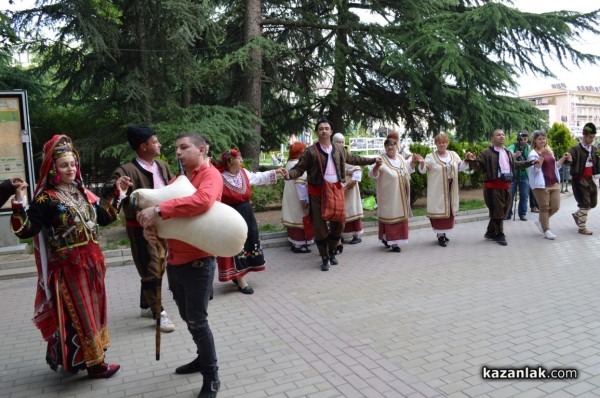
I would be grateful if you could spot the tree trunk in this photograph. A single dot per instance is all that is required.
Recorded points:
(252, 89)
(145, 106)
(339, 92)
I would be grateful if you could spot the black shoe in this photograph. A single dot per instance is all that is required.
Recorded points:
(396, 248)
(490, 236)
(192, 367)
(446, 238)
(332, 259)
(209, 389)
(339, 249)
(442, 241)
(523, 218)
(501, 239)
(246, 290)
(301, 249)
(385, 243)
(325, 265)
(355, 241)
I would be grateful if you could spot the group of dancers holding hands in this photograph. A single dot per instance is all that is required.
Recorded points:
(63, 217)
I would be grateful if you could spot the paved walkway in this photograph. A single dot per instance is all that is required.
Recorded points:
(420, 323)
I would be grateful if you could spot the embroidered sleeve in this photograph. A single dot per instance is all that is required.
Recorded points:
(106, 212)
(262, 178)
(25, 224)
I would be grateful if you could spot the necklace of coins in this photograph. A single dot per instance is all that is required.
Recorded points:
(72, 197)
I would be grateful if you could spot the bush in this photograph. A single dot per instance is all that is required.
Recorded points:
(368, 185)
(560, 139)
(265, 195)
(418, 181)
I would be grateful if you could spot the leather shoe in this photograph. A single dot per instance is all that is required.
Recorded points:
(501, 239)
(325, 265)
(396, 248)
(332, 259)
(489, 235)
(585, 231)
(442, 241)
(246, 290)
(301, 249)
(355, 241)
(103, 370)
(192, 367)
(209, 389)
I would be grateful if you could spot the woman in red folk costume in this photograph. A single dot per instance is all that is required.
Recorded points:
(237, 193)
(70, 302)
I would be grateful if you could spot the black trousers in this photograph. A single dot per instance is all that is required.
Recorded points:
(191, 285)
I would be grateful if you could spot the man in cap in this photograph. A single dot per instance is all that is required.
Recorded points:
(145, 171)
(520, 181)
(585, 164)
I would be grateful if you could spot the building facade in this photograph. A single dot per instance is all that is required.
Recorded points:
(571, 107)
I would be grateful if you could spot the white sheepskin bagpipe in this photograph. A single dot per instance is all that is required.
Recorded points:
(220, 231)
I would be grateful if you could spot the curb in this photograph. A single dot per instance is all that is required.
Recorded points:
(23, 266)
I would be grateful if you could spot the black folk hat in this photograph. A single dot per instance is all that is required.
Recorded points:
(137, 135)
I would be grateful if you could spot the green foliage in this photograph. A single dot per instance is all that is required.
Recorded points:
(368, 185)
(433, 65)
(269, 228)
(418, 181)
(560, 139)
(265, 195)
(471, 204)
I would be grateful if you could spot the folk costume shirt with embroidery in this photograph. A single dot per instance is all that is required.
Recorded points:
(237, 188)
(69, 217)
(209, 188)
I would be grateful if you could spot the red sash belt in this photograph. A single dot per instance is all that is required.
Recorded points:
(133, 224)
(496, 184)
(315, 190)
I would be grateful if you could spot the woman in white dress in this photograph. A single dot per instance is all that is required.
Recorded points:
(442, 167)
(294, 205)
(393, 193)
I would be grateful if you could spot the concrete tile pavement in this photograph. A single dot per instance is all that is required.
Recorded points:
(420, 323)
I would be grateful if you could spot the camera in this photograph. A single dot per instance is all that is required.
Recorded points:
(506, 177)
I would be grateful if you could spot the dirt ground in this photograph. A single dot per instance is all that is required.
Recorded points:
(273, 217)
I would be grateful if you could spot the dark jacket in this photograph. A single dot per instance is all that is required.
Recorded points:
(309, 162)
(579, 157)
(489, 161)
(6, 191)
(140, 178)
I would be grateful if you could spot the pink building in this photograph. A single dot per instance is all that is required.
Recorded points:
(571, 107)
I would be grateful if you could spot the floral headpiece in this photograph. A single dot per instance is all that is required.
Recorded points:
(228, 154)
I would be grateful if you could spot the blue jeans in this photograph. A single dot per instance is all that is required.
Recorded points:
(191, 285)
(523, 185)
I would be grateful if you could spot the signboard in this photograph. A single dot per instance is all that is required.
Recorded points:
(16, 159)
(371, 144)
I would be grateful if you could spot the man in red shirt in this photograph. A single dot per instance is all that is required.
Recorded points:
(190, 271)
